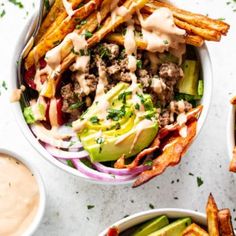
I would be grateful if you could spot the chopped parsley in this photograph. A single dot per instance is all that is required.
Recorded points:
(90, 207)
(94, 120)
(3, 13)
(115, 114)
(151, 206)
(221, 19)
(123, 96)
(139, 64)
(76, 105)
(100, 140)
(83, 22)
(17, 3)
(137, 106)
(88, 34)
(199, 181)
(4, 85)
(148, 163)
(165, 41)
(104, 52)
(47, 4)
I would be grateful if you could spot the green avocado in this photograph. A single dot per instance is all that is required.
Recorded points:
(176, 228)
(189, 84)
(151, 226)
(118, 124)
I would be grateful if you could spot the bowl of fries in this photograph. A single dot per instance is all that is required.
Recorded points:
(231, 135)
(159, 221)
(57, 93)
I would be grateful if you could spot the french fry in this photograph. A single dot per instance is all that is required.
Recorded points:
(225, 222)
(65, 27)
(233, 100)
(54, 18)
(171, 155)
(194, 19)
(194, 230)
(208, 34)
(110, 24)
(118, 38)
(107, 27)
(212, 217)
(232, 166)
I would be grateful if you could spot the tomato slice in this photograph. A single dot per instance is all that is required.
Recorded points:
(113, 231)
(60, 115)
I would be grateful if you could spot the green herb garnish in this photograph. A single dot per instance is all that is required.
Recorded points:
(115, 114)
(83, 22)
(137, 106)
(3, 13)
(148, 163)
(47, 5)
(90, 206)
(139, 64)
(76, 105)
(17, 3)
(165, 41)
(100, 140)
(88, 34)
(199, 181)
(94, 120)
(123, 96)
(69, 163)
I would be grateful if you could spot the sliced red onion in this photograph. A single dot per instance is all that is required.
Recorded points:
(134, 171)
(44, 135)
(98, 175)
(58, 153)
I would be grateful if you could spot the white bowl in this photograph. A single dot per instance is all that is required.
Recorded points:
(42, 198)
(141, 217)
(206, 65)
(230, 131)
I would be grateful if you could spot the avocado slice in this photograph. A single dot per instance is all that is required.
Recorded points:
(189, 84)
(151, 226)
(176, 228)
(126, 126)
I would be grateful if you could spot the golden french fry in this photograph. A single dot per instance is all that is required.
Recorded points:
(233, 100)
(110, 24)
(225, 222)
(107, 27)
(194, 19)
(65, 27)
(232, 166)
(208, 34)
(141, 44)
(212, 217)
(54, 18)
(194, 230)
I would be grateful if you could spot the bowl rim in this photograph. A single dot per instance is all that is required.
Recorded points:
(230, 130)
(42, 199)
(143, 216)
(207, 73)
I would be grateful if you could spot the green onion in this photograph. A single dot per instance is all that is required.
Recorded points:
(17, 3)
(94, 120)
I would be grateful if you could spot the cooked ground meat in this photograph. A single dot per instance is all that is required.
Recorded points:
(111, 60)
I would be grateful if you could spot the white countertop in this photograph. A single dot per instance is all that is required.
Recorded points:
(68, 197)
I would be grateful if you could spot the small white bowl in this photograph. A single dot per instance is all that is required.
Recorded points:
(230, 131)
(42, 199)
(141, 217)
(206, 66)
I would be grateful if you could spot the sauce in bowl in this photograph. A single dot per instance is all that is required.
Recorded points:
(19, 196)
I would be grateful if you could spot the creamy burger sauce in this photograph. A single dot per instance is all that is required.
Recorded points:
(19, 196)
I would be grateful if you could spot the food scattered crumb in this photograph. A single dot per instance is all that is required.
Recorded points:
(151, 206)
(90, 206)
(125, 216)
(191, 174)
(176, 198)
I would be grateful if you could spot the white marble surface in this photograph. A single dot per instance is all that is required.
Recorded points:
(68, 197)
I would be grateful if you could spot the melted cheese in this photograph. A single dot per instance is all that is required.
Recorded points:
(68, 7)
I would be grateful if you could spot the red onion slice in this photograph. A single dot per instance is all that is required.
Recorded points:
(134, 171)
(98, 175)
(58, 153)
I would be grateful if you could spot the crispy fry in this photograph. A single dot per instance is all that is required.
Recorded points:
(171, 155)
(110, 24)
(65, 27)
(118, 38)
(212, 217)
(194, 230)
(107, 27)
(208, 34)
(225, 223)
(54, 18)
(194, 19)
(232, 166)
(233, 100)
